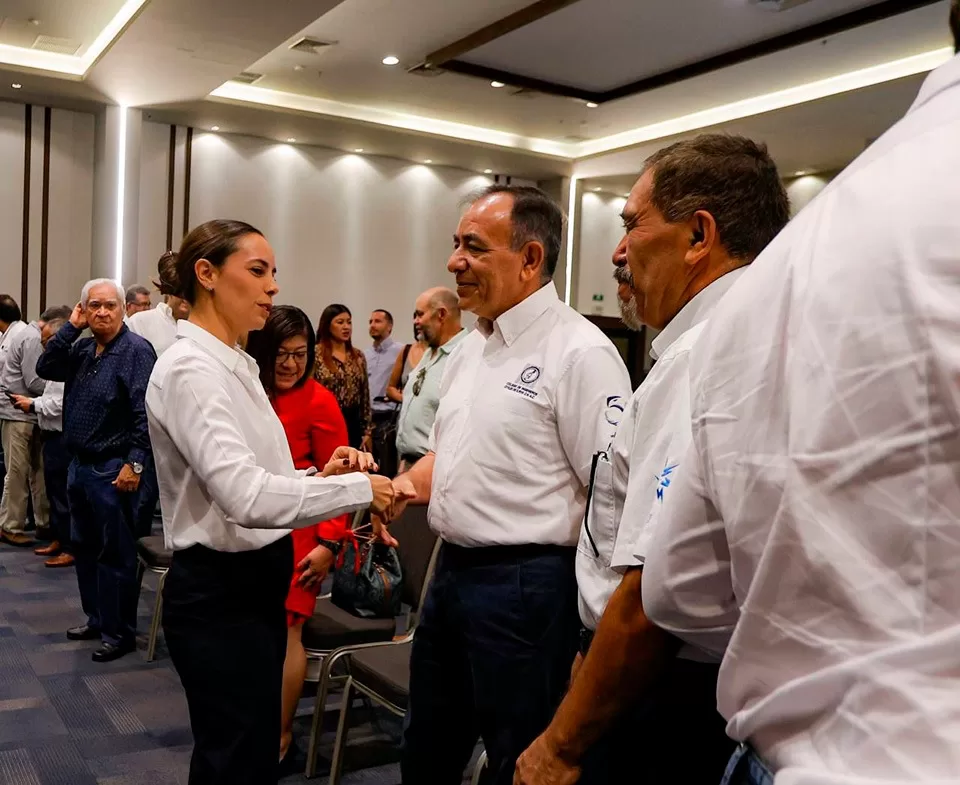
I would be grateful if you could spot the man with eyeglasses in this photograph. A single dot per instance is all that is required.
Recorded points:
(437, 317)
(105, 429)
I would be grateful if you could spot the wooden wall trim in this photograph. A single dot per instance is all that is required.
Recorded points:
(187, 163)
(25, 261)
(45, 206)
(171, 171)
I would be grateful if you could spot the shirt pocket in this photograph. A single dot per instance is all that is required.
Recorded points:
(598, 532)
(513, 437)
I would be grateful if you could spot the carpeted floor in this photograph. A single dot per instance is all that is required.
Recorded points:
(65, 720)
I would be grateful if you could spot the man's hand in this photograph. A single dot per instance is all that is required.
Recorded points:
(346, 460)
(314, 567)
(540, 764)
(128, 480)
(78, 318)
(22, 402)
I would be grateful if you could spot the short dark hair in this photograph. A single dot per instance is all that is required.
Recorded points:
(386, 313)
(955, 24)
(535, 216)
(214, 241)
(284, 321)
(55, 312)
(135, 291)
(9, 310)
(732, 178)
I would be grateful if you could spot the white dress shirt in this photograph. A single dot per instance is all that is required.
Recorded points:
(524, 405)
(49, 407)
(814, 534)
(631, 478)
(222, 457)
(157, 325)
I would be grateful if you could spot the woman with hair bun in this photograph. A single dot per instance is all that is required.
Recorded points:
(230, 494)
(159, 325)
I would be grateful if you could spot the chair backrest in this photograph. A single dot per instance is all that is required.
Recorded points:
(416, 552)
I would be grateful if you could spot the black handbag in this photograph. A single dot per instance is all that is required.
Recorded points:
(367, 579)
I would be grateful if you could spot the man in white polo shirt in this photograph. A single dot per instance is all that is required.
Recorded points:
(699, 214)
(813, 538)
(525, 403)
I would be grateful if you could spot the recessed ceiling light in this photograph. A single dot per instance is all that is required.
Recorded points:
(358, 149)
(497, 84)
(291, 139)
(596, 190)
(428, 161)
(592, 105)
(801, 173)
(488, 171)
(34, 22)
(390, 60)
(16, 85)
(298, 68)
(214, 127)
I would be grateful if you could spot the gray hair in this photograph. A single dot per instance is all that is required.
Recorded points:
(135, 291)
(85, 292)
(535, 217)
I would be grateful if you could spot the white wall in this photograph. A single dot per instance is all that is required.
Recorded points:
(600, 231)
(366, 231)
(802, 190)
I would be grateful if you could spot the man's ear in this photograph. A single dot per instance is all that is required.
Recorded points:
(703, 236)
(533, 259)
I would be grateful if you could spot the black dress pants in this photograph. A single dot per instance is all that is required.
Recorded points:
(225, 626)
(491, 658)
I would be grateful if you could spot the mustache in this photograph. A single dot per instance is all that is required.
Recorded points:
(623, 275)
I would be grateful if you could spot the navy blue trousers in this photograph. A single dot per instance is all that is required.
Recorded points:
(491, 659)
(56, 467)
(104, 546)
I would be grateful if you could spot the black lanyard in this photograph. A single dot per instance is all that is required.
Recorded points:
(586, 515)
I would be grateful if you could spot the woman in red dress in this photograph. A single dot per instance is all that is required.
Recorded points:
(285, 351)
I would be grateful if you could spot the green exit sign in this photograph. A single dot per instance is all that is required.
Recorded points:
(598, 298)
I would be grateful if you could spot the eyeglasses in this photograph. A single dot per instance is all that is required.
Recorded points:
(418, 382)
(299, 356)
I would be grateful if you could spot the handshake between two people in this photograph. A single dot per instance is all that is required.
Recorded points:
(390, 497)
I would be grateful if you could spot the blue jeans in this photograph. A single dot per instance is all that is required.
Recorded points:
(491, 658)
(746, 768)
(104, 546)
(56, 468)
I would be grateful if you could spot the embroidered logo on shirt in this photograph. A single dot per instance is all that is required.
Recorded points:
(663, 479)
(614, 410)
(528, 377)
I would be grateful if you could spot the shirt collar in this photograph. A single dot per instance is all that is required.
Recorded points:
(940, 79)
(166, 310)
(385, 344)
(450, 345)
(512, 324)
(694, 312)
(235, 360)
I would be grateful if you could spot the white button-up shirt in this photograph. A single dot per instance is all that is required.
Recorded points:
(814, 534)
(223, 461)
(631, 478)
(524, 405)
(49, 407)
(157, 325)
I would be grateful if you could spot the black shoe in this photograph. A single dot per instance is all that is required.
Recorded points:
(109, 652)
(83, 633)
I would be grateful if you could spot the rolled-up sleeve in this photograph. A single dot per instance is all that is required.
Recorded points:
(687, 587)
(590, 399)
(199, 418)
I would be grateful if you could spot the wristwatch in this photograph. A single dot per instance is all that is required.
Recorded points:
(137, 468)
(331, 545)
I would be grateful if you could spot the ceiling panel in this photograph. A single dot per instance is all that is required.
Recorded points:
(598, 45)
(72, 22)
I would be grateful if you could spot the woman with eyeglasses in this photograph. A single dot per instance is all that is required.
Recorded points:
(285, 353)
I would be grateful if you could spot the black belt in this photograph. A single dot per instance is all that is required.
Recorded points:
(460, 556)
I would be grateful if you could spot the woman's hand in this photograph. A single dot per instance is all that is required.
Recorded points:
(346, 460)
(314, 567)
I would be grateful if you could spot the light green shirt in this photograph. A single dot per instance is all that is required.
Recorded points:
(419, 411)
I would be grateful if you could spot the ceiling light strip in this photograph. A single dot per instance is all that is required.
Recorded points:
(235, 91)
(748, 107)
(71, 65)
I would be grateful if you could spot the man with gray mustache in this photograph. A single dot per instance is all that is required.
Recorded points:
(700, 213)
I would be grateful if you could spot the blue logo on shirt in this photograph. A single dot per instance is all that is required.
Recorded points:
(614, 410)
(663, 479)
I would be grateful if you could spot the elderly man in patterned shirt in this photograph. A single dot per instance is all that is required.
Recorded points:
(105, 429)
